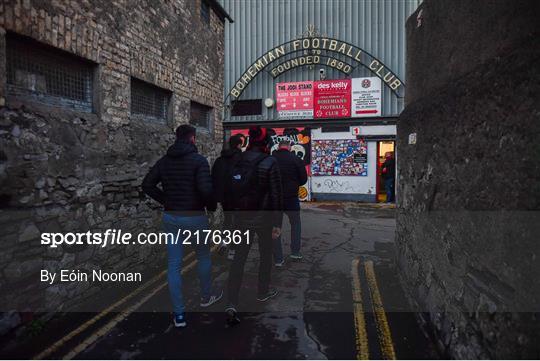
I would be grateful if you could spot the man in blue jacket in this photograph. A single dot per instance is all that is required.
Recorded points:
(186, 190)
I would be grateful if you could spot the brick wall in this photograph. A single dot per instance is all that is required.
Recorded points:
(62, 170)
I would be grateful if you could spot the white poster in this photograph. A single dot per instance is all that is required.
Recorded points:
(366, 97)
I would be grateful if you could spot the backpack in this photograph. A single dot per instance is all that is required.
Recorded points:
(242, 184)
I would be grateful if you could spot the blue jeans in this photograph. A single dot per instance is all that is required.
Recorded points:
(175, 252)
(292, 210)
(389, 185)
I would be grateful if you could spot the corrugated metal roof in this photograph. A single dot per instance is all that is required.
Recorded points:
(378, 27)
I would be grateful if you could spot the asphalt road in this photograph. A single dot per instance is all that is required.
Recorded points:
(331, 305)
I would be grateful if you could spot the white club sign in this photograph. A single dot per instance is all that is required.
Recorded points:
(366, 97)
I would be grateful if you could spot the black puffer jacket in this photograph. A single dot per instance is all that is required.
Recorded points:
(293, 172)
(185, 180)
(390, 166)
(269, 184)
(220, 170)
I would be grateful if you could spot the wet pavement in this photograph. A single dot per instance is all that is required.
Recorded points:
(314, 316)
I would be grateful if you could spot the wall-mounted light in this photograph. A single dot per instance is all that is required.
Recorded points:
(269, 102)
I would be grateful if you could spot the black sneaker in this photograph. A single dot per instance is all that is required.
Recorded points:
(222, 249)
(272, 292)
(232, 316)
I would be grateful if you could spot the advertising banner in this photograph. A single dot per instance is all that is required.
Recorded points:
(366, 97)
(295, 100)
(332, 98)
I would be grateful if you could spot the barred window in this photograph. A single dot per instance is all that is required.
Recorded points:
(48, 75)
(205, 11)
(149, 101)
(200, 115)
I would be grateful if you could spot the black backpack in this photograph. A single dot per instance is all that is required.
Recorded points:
(242, 185)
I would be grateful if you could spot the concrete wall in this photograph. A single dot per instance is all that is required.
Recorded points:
(63, 171)
(467, 220)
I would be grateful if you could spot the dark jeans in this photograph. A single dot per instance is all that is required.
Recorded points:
(292, 210)
(228, 224)
(236, 272)
(389, 185)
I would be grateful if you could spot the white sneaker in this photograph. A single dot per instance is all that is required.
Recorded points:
(180, 320)
(209, 301)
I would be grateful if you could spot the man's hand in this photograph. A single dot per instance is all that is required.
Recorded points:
(276, 232)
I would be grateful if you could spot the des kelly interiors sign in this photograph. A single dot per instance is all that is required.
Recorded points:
(332, 99)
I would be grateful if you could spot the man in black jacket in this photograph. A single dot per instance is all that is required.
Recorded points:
(186, 190)
(222, 166)
(220, 171)
(293, 175)
(389, 175)
(265, 220)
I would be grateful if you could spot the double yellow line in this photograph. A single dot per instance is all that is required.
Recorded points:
(362, 345)
(383, 329)
(116, 320)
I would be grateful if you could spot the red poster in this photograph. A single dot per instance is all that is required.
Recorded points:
(295, 100)
(332, 98)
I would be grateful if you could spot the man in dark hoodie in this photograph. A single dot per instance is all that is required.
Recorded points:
(186, 190)
(220, 171)
(293, 175)
(257, 209)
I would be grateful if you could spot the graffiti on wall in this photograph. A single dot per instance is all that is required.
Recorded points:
(339, 157)
(336, 185)
(332, 184)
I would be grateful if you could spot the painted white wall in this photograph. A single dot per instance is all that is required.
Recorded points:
(377, 130)
(351, 184)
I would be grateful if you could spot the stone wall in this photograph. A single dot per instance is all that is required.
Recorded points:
(66, 171)
(469, 191)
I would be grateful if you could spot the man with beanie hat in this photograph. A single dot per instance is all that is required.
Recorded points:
(257, 207)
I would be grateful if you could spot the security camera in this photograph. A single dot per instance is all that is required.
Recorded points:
(322, 73)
